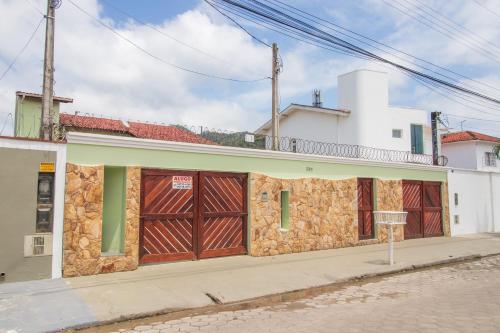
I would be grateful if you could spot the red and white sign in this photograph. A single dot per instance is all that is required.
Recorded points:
(182, 182)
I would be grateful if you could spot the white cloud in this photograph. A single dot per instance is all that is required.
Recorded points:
(106, 75)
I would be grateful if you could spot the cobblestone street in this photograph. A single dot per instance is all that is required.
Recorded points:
(459, 298)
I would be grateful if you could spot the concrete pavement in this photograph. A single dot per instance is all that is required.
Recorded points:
(460, 298)
(184, 285)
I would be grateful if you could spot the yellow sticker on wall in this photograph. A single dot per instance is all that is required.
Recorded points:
(47, 167)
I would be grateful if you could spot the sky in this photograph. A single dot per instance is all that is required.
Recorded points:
(108, 76)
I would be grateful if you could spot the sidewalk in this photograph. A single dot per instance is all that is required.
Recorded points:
(51, 305)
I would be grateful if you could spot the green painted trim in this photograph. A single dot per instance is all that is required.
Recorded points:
(28, 116)
(285, 210)
(113, 215)
(273, 167)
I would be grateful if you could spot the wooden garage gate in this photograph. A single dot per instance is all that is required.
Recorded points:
(422, 201)
(189, 215)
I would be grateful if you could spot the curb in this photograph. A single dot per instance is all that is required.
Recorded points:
(218, 306)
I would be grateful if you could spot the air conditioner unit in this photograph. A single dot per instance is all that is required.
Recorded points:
(38, 245)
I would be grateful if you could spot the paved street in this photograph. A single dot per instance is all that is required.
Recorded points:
(459, 298)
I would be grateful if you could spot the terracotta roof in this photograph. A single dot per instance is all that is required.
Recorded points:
(135, 129)
(33, 95)
(468, 136)
(92, 123)
(164, 132)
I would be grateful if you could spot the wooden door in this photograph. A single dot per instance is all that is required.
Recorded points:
(223, 214)
(365, 208)
(169, 203)
(432, 209)
(412, 203)
(188, 215)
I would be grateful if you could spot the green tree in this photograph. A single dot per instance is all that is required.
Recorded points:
(496, 150)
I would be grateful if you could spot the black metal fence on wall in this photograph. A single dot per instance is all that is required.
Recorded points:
(244, 139)
(302, 146)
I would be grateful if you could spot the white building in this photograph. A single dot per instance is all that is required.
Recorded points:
(363, 117)
(473, 182)
(470, 150)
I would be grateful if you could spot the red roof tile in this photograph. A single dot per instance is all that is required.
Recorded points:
(468, 136)
(135, 129)
(92, 123)
(164, 132)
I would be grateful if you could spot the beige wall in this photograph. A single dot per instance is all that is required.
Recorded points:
(18, 200)
(323, 214)
(83, 223)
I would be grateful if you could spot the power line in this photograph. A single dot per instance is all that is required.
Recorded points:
(443, 30)
(471, 118)
(487, 9)
(436, 13)
(140, 48)
(35, 7)
(9, 115)
(238, 25)
(326, 23)
(163, 33)
(271, 14)
(22, 50)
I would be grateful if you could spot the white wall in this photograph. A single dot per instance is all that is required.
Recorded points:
(309, 125)
(469, 155)
(403, 118)
(478, 201)
(461, 154)
(366, 94)
(60, 179)
(481, 149)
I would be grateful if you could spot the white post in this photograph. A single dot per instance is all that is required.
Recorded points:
(391, 245)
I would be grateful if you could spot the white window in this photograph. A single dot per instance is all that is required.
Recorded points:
(490, 159)
(397, 133)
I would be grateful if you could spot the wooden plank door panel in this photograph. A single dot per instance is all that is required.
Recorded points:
(222, 215)
(432, 209)
(168, 217)
(365, 209)
(412, 203)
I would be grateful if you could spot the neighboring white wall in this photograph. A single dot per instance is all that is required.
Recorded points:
(366, 94)
(60, 179)
(461, 154)
(469, 155)
(309, 125)
(481, 149)
(403, 118)
(478, 206)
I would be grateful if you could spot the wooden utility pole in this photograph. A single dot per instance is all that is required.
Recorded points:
(48, 74)
(275, 100)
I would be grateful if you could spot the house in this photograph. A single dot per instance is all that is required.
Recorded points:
(29, 113)
(474, 182)
(133, 201)
(363, 118)
(470, 150)
(138, 194)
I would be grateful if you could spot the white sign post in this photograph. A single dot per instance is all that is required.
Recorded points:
(389, 219)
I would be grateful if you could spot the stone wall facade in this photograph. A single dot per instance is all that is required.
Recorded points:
(83, 222)
(323, 215)
(389, 196)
